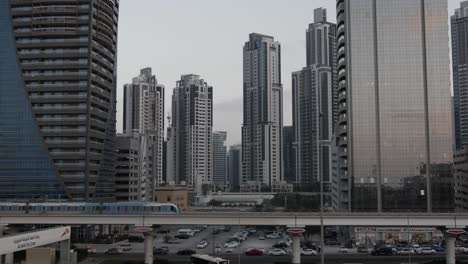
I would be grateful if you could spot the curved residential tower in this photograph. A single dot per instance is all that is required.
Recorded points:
(57, 99)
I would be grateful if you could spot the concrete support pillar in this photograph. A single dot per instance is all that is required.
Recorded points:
(9, 258)
(148, 249)
(64, 252)
(1, 235)
(450, 250)
(296, 249)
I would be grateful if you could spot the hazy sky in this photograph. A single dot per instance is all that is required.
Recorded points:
(205, 37)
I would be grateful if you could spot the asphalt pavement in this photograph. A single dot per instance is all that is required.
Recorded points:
(265, 259)
(237, 255)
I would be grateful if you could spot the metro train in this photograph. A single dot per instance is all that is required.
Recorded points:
(80, 208)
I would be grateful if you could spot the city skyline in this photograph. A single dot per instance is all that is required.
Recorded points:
(160, 51)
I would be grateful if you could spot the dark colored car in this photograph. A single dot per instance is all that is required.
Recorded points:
(216, 231)
(161, 251)
(382, 251)
(254, 252)
(113, 251)
(135, 239)
(438, 248)
(186, 252)
(280, 245)
(182, 236)
(163, 231)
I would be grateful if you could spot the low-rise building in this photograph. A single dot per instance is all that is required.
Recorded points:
(175, 194)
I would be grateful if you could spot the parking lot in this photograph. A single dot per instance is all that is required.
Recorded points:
(216, 241)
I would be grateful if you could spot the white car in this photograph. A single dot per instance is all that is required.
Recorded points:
(425, 251)
(462, 249)
(232, 244)
(276, 252)
(202, 244)
(405, 251)
(272, 236)
(228, 250)
(308, 252)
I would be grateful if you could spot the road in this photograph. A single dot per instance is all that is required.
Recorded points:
(330, 259)
(252, 241)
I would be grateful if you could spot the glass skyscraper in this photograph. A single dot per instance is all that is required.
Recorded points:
(57, 99)
(394, 115)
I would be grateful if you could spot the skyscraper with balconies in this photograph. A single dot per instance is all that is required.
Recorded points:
(459, 31)
(143, 115)
(219, 160)
(394, 138)
(314, 101)
(190, 139)
(262, 133)
(57, 99)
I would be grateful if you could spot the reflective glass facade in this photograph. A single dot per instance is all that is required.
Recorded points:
(398, 105)
(25, 168)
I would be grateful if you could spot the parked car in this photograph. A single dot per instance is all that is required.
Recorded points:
(308, 252)
(281, 245)
(405, 251)
(113, 251)
(462, 249)
(202, 244)
(135, 239)
(182, 236)
(343, 249)
(228, 250)
(438, 248)
(232, 244)
(252, 231)
(125, 247)
(272, 236)
(225, 228)
(161, 251)
(163, 231)
(216, 231)
(382, 251)
(262, 237)
(425, 251)
(254, 252)
(186, 252)
(364, 249)
(276, 252)
(91, 250)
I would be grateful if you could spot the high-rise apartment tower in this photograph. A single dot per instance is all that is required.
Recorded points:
(189, 153)
(57, 99)
(263, 114)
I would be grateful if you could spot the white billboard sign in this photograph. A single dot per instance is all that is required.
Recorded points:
(28, 240)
